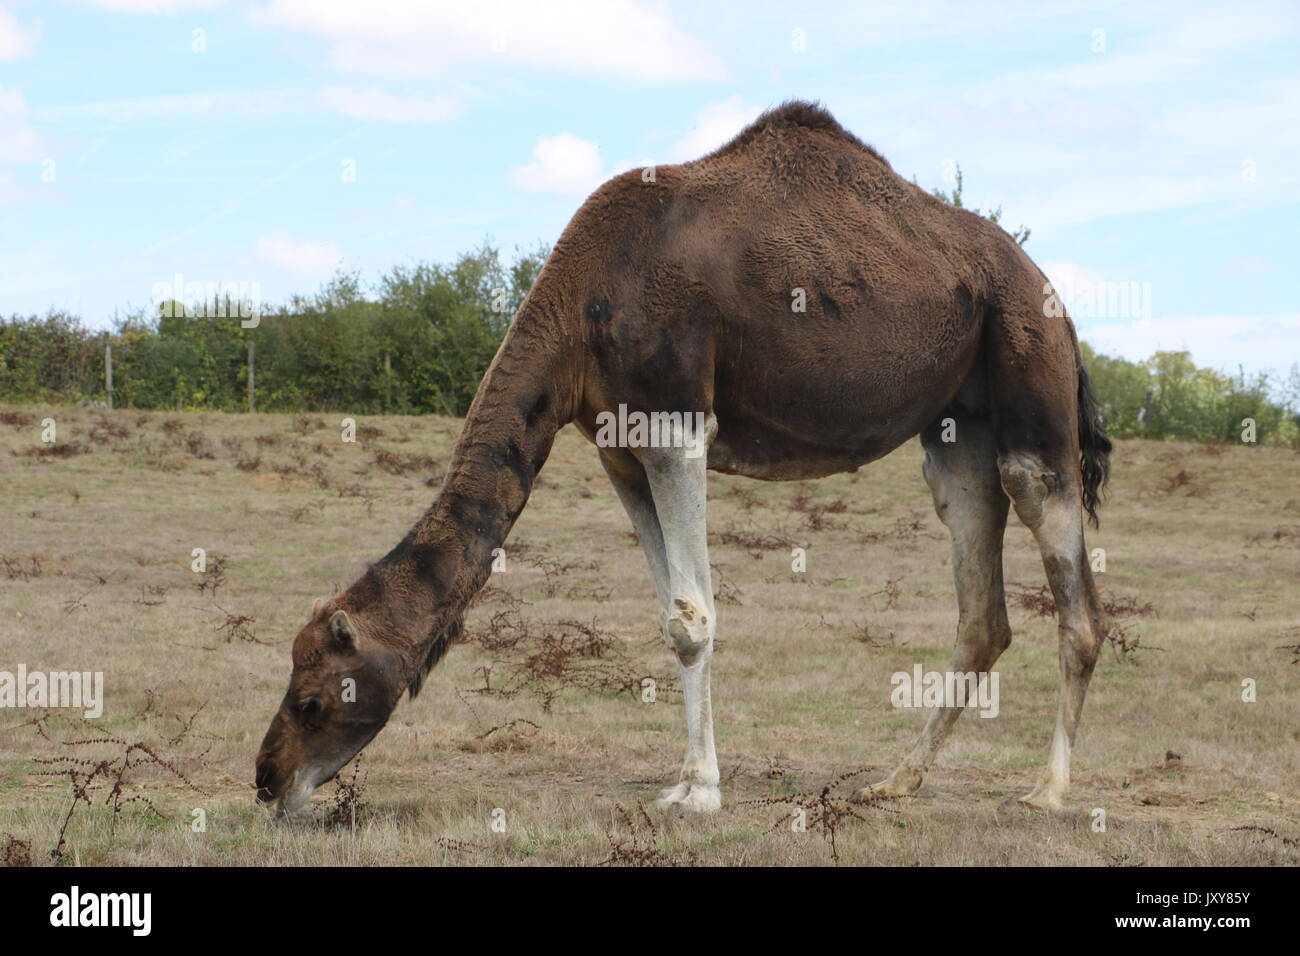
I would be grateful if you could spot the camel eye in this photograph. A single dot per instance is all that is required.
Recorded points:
(309, 708)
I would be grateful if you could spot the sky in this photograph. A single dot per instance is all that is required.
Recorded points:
(1153, 149)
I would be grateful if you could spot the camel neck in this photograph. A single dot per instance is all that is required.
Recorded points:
(421, 588)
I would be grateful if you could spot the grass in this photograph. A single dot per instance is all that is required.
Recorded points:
(95, 574)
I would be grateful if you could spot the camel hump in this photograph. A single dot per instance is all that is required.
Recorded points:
(793, 114)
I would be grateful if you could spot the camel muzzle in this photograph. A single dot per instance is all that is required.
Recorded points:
(268, 787)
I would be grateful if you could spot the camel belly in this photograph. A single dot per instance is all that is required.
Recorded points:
(757, 444)
(805, 396)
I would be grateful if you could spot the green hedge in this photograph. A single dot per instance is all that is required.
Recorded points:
(1167, 396)
(439, 325)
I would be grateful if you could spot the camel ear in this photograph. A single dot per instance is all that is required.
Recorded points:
(315, 609)
(342, 631)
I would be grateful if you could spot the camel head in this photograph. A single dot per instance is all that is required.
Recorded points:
(344, 686)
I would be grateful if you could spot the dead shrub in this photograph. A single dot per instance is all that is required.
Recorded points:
(504, 738)
(725, 592)
(821, 810)
(237, 627)
(905, 531)
(815, 514)
(305, 424)
(16, 418)
(755, 543)
(1277, 538)
(350, 804)
(213, 575)
(15, 852)
(58, 449)
(22, 568)
(113, 775)
(1184, 481)
(544, 661)
(401, 465)
(640, 846)
(104, 431)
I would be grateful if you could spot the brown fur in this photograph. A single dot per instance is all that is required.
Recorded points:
(675, 295)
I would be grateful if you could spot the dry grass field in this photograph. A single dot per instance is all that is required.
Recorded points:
(537, 720)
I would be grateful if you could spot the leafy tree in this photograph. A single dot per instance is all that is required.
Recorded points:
(954, 198)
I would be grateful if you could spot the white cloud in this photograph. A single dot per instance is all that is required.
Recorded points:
(252, 104)
(1108, 134)
(1088, 295)
(1255, 342)
(561, 164)
(624, 37)
(279, 250)
(1176, 48)
(1218, 341)
(16, 41)
(151, 6)
(715, 124)
(19, 140)
(8, 190)
(371, 104)
(379, 105)
(1068, 275)
(1054, 162)
(1241, 267)
(19, 143)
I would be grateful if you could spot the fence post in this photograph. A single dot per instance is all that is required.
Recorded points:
(252, 406)
(108, 372)
(388, 383)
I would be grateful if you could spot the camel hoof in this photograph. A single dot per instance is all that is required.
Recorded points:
(1037, 799)
(900, 783)
(690, 798)
(1041, 800)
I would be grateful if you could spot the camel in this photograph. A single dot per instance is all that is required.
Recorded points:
(678, 290)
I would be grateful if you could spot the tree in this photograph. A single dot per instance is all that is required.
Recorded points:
(953, 198)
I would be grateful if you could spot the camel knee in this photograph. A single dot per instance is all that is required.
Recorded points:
(688, 629)
(930, 471)
(984, 646)
(1080, 647)
(1000, 633)
(1029, 484)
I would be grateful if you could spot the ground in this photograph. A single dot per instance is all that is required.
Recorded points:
(535, 741)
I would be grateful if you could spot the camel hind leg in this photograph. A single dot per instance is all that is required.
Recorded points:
(1037, 397)
(963, 478)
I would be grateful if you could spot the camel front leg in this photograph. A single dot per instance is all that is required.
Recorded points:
(679, 486)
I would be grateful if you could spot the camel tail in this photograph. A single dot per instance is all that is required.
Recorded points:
(1094, 446)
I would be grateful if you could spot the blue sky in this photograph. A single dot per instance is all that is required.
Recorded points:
(1154, 149)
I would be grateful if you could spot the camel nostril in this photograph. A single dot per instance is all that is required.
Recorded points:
(263, 779)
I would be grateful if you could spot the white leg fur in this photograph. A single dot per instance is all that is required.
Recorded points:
(641, 509)
(679, 486)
